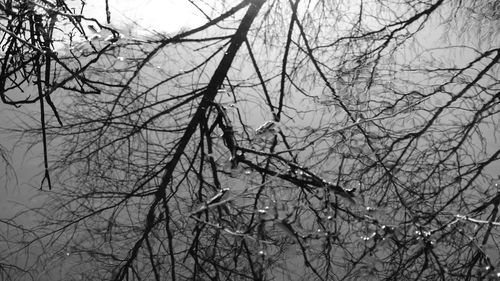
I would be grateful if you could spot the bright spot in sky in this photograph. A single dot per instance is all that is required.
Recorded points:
(147, 17)
(133, 19)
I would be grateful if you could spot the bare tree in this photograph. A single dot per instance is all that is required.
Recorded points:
(333, 140)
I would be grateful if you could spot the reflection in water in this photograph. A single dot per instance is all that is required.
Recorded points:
(278, 142)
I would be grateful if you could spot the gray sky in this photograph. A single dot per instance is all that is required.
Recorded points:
(162, 16)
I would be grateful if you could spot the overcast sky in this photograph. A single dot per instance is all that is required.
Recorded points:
(163, 16)
(149, 16)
